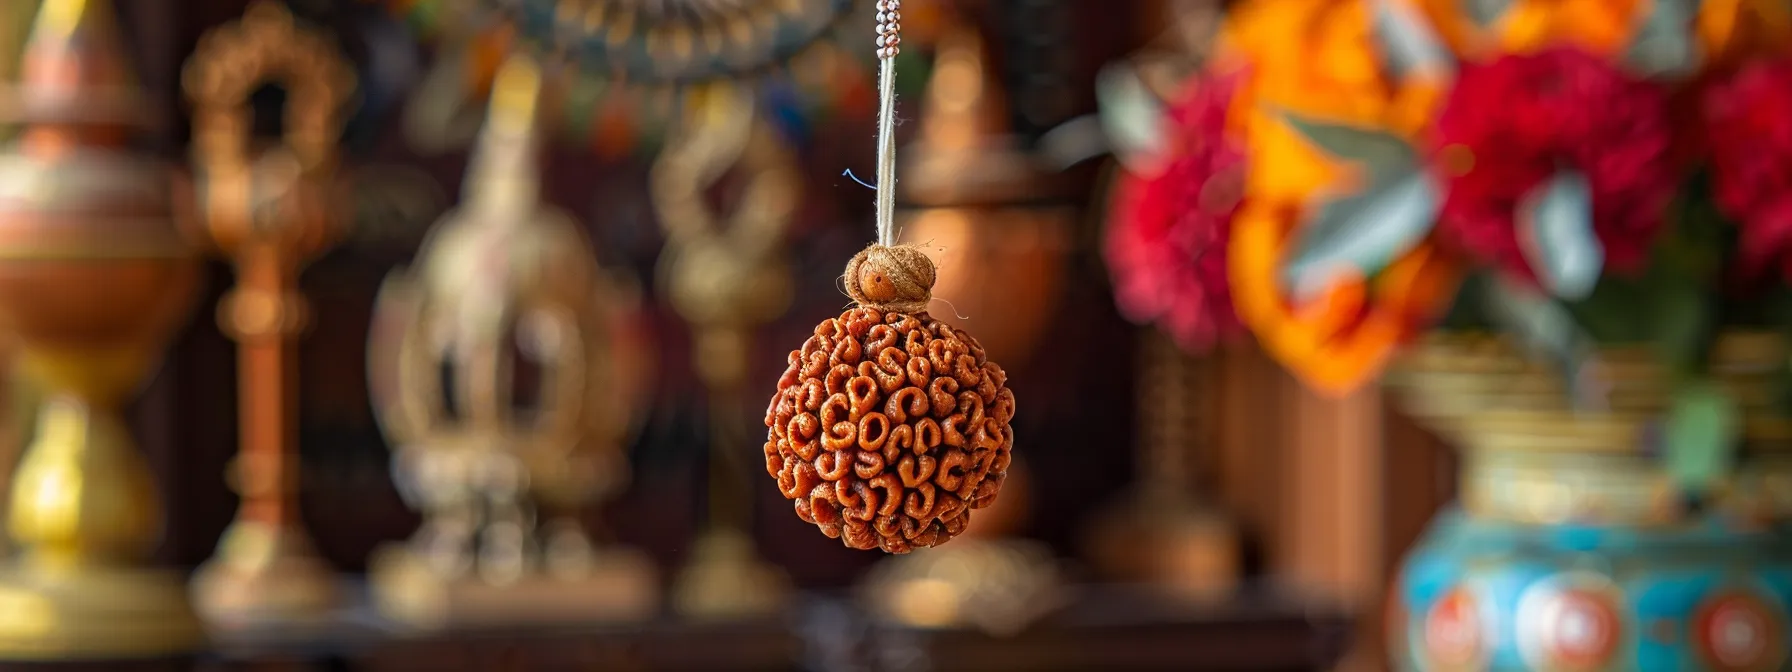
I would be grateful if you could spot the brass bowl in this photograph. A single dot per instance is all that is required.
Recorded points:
(1530, 456)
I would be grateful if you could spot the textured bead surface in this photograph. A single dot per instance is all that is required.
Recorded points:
(888, 428)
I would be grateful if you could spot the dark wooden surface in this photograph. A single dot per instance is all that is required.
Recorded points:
(1114, 629)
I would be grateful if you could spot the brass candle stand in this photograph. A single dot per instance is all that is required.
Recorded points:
(94, 278)
(271, 211)
(1160, 532)
(725, 280)
(479, 448)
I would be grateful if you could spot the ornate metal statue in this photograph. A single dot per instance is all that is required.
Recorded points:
(94, 278)
(270, 211)
(506, 290)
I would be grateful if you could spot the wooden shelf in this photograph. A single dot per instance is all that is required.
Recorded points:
(1106, 628)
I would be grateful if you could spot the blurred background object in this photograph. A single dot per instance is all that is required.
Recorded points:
(726, 273)
(526, 429)
(1544, 489)
(270, 211)
(94, 279)
(503, 373)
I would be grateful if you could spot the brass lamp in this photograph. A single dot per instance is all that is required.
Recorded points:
(480, 447)
(271, 211)
(94, 278)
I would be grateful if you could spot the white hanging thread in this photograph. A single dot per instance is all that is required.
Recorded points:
(889, 41)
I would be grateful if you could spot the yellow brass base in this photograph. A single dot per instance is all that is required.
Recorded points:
(726, 579)
(264, 575)
(999, 586)
(620, 585)
(1170, 541)
(95, 613)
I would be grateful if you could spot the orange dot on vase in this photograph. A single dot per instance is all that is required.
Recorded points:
(875, 285)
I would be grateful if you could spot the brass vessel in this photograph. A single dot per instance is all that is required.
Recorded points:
(1572, 526)
(1529, 457)
(503, 287)
(94, 278)
(270, 210)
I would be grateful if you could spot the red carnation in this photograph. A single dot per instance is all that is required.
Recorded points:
(1168, 231)
(1750, 139)
(1511, 124)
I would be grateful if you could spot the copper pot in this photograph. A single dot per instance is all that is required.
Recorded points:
(1000, 271)
(90, 258)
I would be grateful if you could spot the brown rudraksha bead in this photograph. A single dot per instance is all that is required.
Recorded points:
(888, 428)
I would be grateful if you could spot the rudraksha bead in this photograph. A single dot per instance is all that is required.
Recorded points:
(888, 429)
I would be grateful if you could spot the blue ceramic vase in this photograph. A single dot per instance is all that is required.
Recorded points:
(1571, 549)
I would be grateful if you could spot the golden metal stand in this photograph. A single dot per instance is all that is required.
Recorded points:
(271, 211)
(94, 278)
(1160, 532)
(506, 277)
(725, 281)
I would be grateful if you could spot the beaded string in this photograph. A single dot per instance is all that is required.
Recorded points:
(887, 275)
(889, 41)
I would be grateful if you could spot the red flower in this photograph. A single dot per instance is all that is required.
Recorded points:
(1169, 230)
(1748, 132)
(1511, 124)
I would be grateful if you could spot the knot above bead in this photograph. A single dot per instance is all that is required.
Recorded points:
(897, 279)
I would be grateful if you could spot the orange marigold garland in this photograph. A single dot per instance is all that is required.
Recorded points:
(889, 427)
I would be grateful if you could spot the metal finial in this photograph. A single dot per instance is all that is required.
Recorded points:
(889, 28)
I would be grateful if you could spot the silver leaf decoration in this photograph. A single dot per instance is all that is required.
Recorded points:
(1664, 45)
(1364, 233)
(1381, 155)
(1408, 42)
(1131, 116)
(1556, 226)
